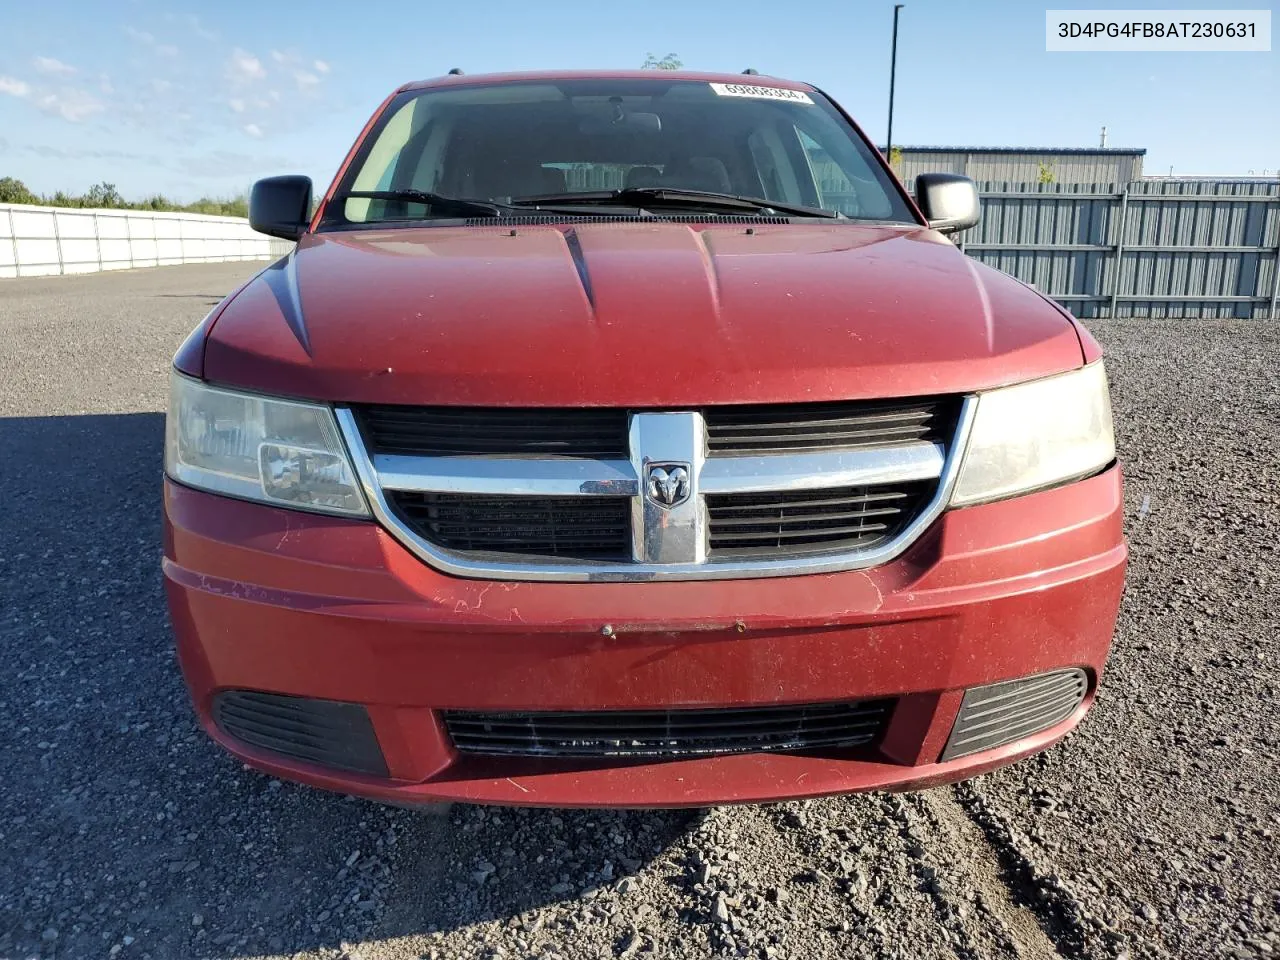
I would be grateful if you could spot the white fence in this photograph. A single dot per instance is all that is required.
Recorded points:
(47, 241)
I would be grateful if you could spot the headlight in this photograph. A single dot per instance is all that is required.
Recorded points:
(1037, 434)
(278, 451)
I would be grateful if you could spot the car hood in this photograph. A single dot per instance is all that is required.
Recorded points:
(633, 314)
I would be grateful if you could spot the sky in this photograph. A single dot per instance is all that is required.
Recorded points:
(196, 99)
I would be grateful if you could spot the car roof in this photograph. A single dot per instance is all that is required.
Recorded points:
(754, 80)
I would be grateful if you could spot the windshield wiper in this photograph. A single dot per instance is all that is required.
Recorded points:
(675, 197)
(458, 206)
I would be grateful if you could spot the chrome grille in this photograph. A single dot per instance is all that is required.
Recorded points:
(798, 522)
(667, 734)
(727, 492)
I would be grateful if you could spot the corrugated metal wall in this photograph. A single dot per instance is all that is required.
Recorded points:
(1156, 248)
(1065, 167)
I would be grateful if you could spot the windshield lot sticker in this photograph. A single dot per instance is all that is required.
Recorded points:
(761, 93)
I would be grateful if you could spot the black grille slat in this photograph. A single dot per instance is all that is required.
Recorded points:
(810, 427)
(1031, 700)
(802, 533)
(494, 431)
(664, 723)
(807, 521)
(509, 730)
(744, 506)
(994, 715)
(602, 432)
(301, 728)
(690, 739)
(577, 528)
(324, 732)
(660, 734)
(817, 441)
(748, 521)
(732, 419)
(589, 750)
(677, 714)
(1005, 729)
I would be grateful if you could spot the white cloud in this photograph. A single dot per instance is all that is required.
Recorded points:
(305, 79)
(279, 57)
(320, 66)
(166, 50)
(253, 130)
(160, 86)
(13, 87)
(236, 104)
(104, 84)
(140, 35)
(51, 66)
(245, 66)
(71, 105)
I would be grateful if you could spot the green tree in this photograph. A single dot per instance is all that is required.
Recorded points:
(669, 62)
(103, 195)
(13, 190)
(1046, 174)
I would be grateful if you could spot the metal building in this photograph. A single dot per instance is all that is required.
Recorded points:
(1152, 248)
(1093, 165)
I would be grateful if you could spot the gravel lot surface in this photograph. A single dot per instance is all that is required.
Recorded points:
(125, 833)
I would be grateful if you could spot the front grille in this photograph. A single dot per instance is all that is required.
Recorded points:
(324, 732)
(566, 528)
(800, 522)
(559, 493)
(811, 427)
(667, 734)
(1001, 713)
(498, 432)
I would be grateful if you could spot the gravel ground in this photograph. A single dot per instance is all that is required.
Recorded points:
(124, 833)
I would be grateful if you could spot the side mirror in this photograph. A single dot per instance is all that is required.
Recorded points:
(948, 200)
(279, 206)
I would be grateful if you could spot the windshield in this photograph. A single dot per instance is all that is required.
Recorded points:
(512, 141)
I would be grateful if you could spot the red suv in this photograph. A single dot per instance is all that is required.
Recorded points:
(633, 438)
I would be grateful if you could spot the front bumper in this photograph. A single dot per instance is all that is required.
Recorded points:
(285, 602)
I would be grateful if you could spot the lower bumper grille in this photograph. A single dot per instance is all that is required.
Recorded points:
(1001, 713)
(324, 732)
(667, 734)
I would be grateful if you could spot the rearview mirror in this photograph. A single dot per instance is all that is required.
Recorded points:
(948, 201)
(279, 206)
(631, 123)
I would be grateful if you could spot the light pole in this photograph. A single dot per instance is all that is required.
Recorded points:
(893, 69)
